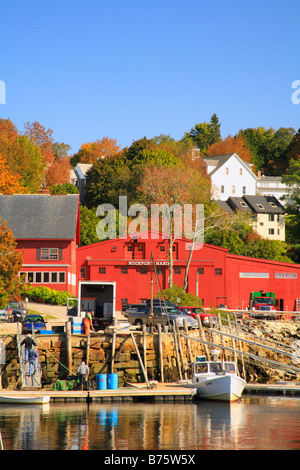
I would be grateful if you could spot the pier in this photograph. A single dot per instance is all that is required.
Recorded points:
(163, 393)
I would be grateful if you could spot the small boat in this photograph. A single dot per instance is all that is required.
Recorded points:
(215, 380)
(24, 400)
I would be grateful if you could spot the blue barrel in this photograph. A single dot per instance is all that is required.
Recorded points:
(112, 381)
(101, 381)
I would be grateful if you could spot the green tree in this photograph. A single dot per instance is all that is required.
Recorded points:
(205, 134)
(106, 180)
(66, 188)
(88, 225)
(268, 148)
(60, 150)
(25, 159)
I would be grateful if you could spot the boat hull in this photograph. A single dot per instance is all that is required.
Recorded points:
(220, 388)
(23, 400)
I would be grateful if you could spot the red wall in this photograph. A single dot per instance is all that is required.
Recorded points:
(66, 264)
(215, 287)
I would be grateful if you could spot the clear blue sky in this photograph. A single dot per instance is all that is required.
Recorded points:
(133, 68)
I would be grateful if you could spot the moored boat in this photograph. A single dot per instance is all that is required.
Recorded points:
(216, 380)
(24, 400)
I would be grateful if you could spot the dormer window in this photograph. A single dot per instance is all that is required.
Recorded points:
(260, 206)
(243, 204)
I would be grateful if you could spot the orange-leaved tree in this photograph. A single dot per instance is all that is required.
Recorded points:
(11, 261)
(10, 182)
(231, 145)
(93, 151)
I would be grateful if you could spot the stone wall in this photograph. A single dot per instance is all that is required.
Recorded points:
(53, 354)
(163, 359)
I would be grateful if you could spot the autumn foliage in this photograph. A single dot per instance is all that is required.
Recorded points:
(9, 181)
(11, 262)
(231, 145)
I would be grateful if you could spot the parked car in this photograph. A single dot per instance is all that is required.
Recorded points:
(6, 314)
(161, 315)
(33, 322)
(194, 311)
(18, 311)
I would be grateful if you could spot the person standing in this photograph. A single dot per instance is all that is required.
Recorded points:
(32, 357)
(83, 372)
(29, 343)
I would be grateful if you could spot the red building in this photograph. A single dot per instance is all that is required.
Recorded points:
(215, 276)
(47, 228)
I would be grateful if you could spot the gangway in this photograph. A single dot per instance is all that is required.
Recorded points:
(29, 382)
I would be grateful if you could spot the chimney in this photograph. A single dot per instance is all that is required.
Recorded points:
(43, 191)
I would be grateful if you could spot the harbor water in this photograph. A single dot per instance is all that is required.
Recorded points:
(253, 423)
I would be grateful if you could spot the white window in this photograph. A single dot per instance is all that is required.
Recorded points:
(49, 253)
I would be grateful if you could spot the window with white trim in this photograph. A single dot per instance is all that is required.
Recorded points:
(49, 254)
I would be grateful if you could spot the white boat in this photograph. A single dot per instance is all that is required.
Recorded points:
(216, 380)
(24, 399)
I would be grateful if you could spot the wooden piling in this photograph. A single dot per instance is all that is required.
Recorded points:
(161, 361)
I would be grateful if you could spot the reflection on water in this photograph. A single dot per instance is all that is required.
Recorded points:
(252, 423)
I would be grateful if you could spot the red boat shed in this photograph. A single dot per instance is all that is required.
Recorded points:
(215, 276)
(47, 229)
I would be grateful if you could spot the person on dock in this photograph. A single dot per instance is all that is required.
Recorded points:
(29, 342)
(32, 357)
(88, 323)
(83, 372)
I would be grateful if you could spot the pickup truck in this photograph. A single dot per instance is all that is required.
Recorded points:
(161, 316)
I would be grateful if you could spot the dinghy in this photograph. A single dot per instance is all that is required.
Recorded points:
(24, 400)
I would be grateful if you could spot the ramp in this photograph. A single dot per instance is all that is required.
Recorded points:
(28, 381)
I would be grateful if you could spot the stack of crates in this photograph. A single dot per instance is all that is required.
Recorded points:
(77, 325)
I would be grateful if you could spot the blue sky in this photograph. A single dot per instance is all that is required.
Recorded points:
(133, 68)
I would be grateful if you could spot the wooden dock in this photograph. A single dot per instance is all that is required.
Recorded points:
(163, 393)
(169, 393)
(279, 389)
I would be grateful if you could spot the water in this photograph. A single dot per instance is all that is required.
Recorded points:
(254, 423)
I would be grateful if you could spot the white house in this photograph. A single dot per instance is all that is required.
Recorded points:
(230, 176)
(267, 214)
(78, 177)
(274, 186)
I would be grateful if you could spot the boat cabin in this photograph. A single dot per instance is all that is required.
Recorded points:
(201, 366)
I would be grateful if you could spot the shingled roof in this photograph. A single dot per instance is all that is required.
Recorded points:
(40, 216)
(256, 204)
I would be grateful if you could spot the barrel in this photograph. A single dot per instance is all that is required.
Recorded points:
(112, 381)
(101, 381)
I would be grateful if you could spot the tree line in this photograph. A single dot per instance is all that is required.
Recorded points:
(155, 170)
